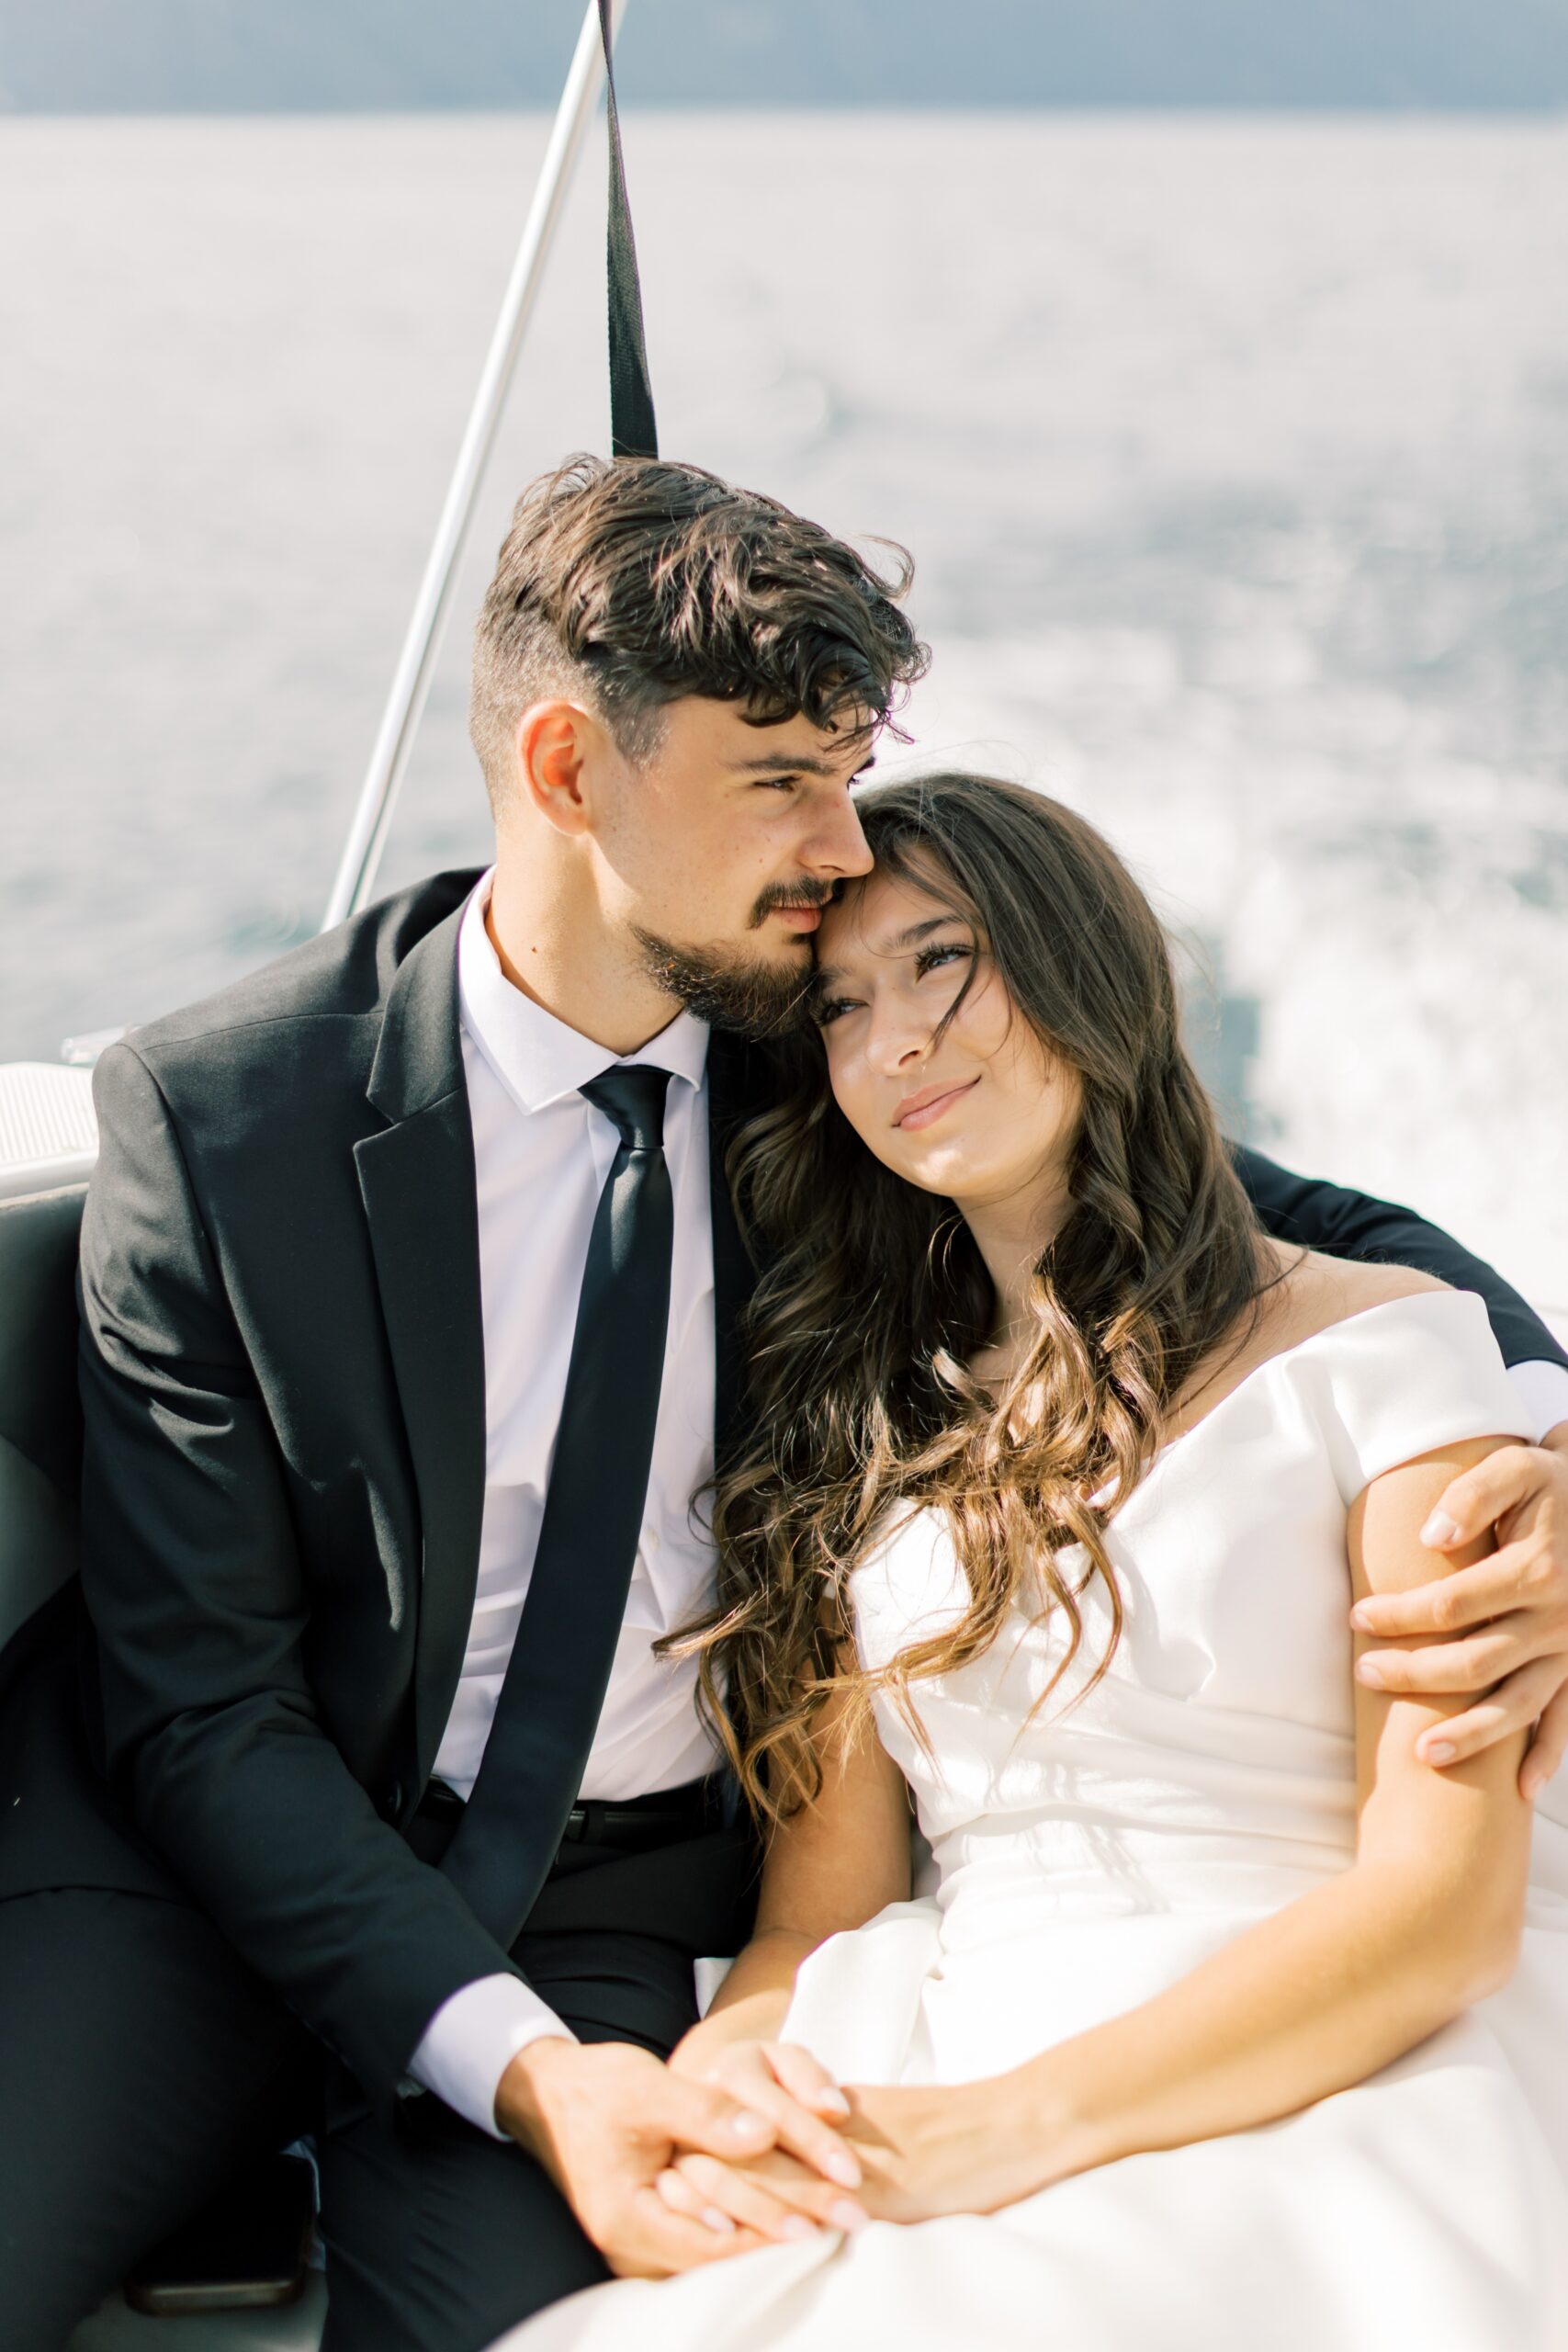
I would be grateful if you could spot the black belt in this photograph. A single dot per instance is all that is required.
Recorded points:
(627, 1825)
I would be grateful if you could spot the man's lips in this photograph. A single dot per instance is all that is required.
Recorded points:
(921, 1109)
(799, 918)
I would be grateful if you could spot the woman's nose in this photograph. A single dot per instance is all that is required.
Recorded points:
(895, 1041)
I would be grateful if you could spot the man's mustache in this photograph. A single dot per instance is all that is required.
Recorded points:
(804, 893)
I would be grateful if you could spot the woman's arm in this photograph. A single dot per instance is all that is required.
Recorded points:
(1315, 1998)
(1514, 1664)
(834, 1864)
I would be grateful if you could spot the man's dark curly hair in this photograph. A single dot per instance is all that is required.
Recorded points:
(630, 583)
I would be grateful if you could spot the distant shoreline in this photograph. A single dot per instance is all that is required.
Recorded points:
(1381, 112)
(737, 110)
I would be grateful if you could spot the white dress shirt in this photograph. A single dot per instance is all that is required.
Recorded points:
(541, 1155)
(1544, 1387)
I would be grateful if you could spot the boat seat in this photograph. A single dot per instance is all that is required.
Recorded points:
(292, 2328)
(41, 1421)
(41, 1453)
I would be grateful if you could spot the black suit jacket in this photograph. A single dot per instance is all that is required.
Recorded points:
(282, 1378)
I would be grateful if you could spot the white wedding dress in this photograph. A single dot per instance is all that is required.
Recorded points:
(1080, 1866)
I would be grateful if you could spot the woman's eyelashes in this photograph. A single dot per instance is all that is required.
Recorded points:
(931, 959)
(825, 1009)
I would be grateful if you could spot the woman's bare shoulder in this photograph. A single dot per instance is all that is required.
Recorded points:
(1317, 1290)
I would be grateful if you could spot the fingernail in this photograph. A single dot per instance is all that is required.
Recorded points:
(1531, 1785)
(746, 2125)
(845, 2216)
(796, 2227)
(716, 2219)
(844, 2170)
(1361, 1618)
(1441, 1751)
(834, 2101)
(1368, 1672)
(1439, 1528)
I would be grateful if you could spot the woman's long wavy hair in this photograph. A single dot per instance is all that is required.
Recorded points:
(874, 1297)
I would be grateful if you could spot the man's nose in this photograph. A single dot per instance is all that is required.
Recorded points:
(838, 846)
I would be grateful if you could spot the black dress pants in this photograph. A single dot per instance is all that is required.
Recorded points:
(141, 2062)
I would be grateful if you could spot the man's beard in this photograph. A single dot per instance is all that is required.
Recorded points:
(732, 990)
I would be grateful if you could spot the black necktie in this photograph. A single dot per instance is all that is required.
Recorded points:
(546, 1716)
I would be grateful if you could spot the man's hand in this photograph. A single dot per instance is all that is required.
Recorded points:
(1501, 1627)
(605, 2120)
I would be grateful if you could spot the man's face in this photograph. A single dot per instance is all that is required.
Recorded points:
(723, 847)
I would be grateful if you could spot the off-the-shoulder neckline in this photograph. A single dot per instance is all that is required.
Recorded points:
(1471, 1299)
(1323, 1331)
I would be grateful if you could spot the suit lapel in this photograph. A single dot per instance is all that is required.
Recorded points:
(417, 1182)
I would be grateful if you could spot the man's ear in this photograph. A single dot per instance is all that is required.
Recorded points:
(556, 743)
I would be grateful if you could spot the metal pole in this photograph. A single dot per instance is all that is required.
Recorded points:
(400, 720)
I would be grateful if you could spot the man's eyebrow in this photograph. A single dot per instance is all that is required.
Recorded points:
(781, 759)
(781, 763)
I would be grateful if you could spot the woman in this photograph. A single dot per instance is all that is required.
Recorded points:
(1220, 2017)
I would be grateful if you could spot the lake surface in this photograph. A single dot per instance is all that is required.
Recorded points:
(1233, 455)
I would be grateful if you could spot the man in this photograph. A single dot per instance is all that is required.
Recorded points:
(411, 1294)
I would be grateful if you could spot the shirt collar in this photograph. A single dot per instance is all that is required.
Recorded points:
(536, 1058)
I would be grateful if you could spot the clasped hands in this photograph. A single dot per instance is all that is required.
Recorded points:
(747, 2145)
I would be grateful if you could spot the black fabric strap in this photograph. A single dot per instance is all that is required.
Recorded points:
(632, 431)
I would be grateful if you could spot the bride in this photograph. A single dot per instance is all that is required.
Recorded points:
(1218, 2016)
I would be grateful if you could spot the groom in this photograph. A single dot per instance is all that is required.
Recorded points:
(412, 1299)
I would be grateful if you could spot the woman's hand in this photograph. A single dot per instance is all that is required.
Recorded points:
(805, 2187)
(961, 2148)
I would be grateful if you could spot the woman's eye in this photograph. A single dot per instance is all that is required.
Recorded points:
(826, 1010)
(931, 959)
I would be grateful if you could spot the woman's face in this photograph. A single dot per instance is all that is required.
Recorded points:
(981, 1114)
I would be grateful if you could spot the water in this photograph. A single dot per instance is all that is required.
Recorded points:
(1233, 454)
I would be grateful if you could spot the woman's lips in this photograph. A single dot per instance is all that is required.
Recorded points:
(921, 1110)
